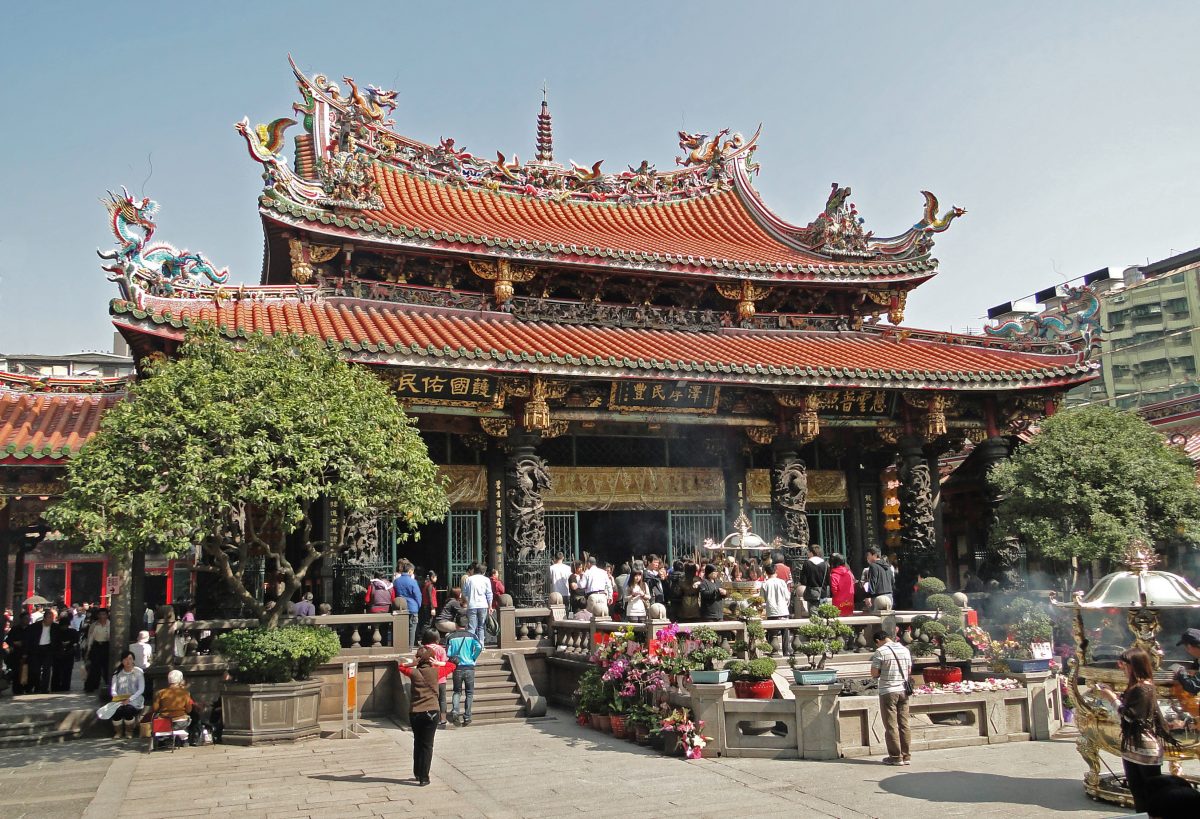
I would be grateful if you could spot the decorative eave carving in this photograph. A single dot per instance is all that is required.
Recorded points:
(304, 256)
(761, 435)
(497, 427)
(935, 406)
(503, 274)
(893, 300)
(745, 293)
(889, 431)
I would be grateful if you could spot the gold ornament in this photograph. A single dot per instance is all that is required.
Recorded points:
(503, 274)
(745, 294)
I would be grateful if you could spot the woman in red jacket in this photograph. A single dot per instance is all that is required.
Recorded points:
(841, 583)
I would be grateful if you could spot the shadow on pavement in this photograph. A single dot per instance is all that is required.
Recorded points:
(968, 787)
(363, 778)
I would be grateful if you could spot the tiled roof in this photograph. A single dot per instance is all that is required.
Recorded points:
(389, 333)
(712, 233)
(48, 427)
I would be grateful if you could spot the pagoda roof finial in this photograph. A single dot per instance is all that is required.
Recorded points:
(545, 129)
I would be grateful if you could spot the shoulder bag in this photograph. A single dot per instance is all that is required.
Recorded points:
(908, 683)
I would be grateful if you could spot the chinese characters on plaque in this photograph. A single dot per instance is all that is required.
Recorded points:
(445, 388)
(664, 396)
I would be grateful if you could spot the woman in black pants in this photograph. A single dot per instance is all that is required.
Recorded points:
(423, 711)
(1142, 727)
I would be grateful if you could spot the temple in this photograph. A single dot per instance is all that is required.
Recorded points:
(617, 361)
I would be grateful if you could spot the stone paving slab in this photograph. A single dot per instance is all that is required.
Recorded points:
(550, 768)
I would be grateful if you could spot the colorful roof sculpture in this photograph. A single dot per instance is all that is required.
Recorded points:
(355, 178)
(46, 420)
(395, 334)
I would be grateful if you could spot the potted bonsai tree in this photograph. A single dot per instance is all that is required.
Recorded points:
(821, 637)
(942, 636)
(706, 657)
(272, 696)
(752, 677)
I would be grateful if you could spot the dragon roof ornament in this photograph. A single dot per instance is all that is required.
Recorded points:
(138, 264)
(1071, 322)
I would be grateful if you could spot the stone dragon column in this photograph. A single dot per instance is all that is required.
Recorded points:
(1002, 554)
(789, 497)
(526, 558)
(917, 531)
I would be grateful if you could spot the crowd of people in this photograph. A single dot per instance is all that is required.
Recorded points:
(690, 591)
(40, 648)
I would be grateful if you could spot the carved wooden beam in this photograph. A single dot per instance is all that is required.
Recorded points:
(745, 293)
(503, 274)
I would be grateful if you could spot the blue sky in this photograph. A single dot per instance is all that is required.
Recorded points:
(1068, 130)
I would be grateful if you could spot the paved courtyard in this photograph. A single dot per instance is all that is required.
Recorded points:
(538, 769)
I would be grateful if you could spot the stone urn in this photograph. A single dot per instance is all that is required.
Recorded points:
(263, 713)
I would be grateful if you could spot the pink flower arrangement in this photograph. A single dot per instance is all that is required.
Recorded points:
(679, 722)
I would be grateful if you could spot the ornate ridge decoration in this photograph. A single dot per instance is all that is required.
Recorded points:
(503, 274)
(137, 265)
(745, 294)
(16, 382)
(1074, 323)
(497, 427)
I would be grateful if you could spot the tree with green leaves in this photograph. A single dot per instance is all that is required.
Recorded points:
(229, 451)
(1092, 480)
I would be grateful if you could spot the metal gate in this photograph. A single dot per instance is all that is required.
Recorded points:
(762, 523)
(562, 533)
(370, 552)
(462, 543)
(828, 528)
(688, 530)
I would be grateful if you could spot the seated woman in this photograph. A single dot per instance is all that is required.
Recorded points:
(175, 702)
(128, 688)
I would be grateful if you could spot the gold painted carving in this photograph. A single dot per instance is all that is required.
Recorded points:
(503, 274)
(890, 432)
(467, 486)
(826, 487)
(761, 435)
(537, 410)
(496, 427)
(745, 294)
(304, 256)
(626, 487)
(893, 300)
(556, 429)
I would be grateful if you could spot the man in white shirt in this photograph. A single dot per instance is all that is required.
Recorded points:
(477, 594)
(557, 576)
(596, 580)
(777, 596)
(891, 664)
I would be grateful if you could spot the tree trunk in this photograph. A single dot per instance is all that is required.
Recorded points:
(137, 594)
(118, 604)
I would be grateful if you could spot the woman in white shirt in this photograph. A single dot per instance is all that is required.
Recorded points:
(128, 689)
(637, 597)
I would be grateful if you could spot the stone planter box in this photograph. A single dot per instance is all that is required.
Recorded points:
(270, 712)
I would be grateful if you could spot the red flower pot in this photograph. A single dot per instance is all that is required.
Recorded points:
(618, 726)
(754, 689)
(583, 720)
(605, 723)
(942, 674)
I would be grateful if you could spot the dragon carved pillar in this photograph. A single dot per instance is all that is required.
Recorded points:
(526, 557)
(789, 495)
(917, 531)
(1002, 552)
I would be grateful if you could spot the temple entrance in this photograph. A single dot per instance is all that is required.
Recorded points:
(615, 536)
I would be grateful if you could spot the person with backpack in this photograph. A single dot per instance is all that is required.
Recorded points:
(463, 649)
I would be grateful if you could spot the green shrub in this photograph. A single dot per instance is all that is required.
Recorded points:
(934, 630)
(590, 696)
(822, 636)
(949, 612)
(259, 655)
(957, 648)
(927, 586)
(760, 669)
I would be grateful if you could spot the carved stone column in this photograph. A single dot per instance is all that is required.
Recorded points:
(917, 534)
(1002, 554)
(526, 558)
(789, 499)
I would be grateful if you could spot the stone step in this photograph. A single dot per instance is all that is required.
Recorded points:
(487, 713)
(494, 696)
(49, 737)
(28, 726)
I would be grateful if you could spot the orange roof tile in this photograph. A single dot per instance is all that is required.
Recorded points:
(390, 333)
(49, 427)
(713, 233)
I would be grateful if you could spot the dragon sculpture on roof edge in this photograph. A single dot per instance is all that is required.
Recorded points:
(137, 265)
(1074, 322)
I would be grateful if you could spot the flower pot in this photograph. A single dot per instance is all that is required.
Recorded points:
(710, 677)
(604, 721)
(754, 689)
(941, 674)
(594, 721)
(824, 676)
(1027, 666)
(583, 720)
(671, 744)
(1069, 716)
(617, 723)
(641, 734)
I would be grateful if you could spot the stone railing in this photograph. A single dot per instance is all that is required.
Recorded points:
(361, 634)
(814, 722)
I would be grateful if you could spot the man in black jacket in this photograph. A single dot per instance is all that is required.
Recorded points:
(814, 577)
(41, 642)
(880, 579)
